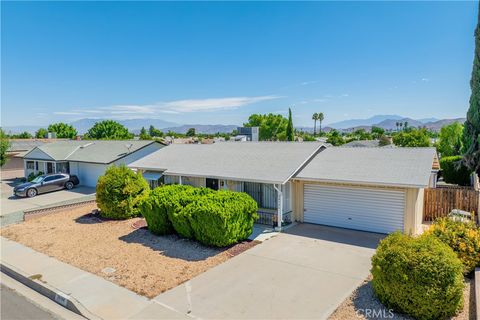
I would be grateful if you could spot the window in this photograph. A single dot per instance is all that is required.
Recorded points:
(63, 167)
(30, 165)
(51, 178)
(264, 194)
(36, 165)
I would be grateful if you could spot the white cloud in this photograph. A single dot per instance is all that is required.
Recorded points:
(65, 113)
(425, 79)
(129, 109)
(195, 105)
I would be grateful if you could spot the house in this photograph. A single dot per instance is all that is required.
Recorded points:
(261, 169)
(369, 189)
(15, 152)
(88, 159)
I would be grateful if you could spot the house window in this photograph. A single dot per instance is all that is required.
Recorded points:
(63, 167)
(36, 165)
(30, 165)
(264, 194)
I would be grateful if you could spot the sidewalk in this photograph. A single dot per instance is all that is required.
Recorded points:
(96, 296)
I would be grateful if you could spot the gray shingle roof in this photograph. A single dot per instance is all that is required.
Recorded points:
(407, 167)
(95, 151)
(269, 162)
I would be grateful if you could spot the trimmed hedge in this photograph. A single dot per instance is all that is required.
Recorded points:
(452, 174)
(222, 218)
(216, 218)
(119, 192)
(421, 277)
(462, 237)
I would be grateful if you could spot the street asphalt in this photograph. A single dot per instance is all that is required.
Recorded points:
(15, 306)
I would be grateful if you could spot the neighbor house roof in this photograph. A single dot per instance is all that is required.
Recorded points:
(406, 167)
(18, 145)
(268, 162)
(94, 151)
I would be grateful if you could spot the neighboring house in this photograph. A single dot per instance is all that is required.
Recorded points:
(88, 159)
(261, 169)
(370, 189)
(17, 149)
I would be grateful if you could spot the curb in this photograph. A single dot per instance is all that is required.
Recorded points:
(48, 291)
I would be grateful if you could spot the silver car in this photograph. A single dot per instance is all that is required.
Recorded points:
(46, 183)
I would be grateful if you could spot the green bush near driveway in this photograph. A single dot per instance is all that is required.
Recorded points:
(119, 192)
(421, 277)
(454, 174)
(222, 218)
(217, 218)
(462, 237)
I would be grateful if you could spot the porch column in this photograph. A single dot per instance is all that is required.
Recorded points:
(279, 205)
(179, 179)
(25, 167)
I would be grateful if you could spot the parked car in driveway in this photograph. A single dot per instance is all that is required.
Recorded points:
(46, 183)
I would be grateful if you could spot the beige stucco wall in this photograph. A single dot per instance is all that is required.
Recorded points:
(413, 216)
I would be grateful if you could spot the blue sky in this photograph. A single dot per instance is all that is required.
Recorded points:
(212, 62)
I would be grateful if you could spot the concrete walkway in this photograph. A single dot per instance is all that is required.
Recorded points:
(99, 297)
(303, 273)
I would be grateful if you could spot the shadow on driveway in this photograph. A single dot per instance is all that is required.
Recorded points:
(339, 235)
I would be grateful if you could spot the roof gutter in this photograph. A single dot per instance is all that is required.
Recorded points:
(364, 183)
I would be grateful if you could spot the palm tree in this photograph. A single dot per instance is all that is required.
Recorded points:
(405, 125)
(321, 117)
(401, 125)
(397, 124)
(315, 118)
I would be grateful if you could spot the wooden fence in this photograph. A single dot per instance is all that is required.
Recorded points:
(439, 202)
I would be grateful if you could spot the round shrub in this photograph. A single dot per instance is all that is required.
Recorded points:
(119, 191)
(462, 237)
(421, 277)
(454, 174)
(222, 218)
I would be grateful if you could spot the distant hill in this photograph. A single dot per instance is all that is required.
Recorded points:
(390, 124)
(437, 125)
(345, 124)
(202, 128)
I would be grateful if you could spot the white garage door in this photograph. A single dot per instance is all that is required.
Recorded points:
(375, 210)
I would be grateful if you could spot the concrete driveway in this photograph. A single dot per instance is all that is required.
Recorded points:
(10, 203)
(304, 273)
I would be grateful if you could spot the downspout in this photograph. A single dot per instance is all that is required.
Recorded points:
(279, 206)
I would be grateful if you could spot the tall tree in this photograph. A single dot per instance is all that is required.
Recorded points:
(144, 134)
(108, 130)
(413, 138)
(321, 117)
(190, 132)
(41, 133)
(450, 140)
(315, 118)
(289, 130)
(63, 130)
(471, 133)
(4, 145)
(271, 126)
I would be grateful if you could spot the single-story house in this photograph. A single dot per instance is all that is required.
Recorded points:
(88, 159)
(370, 189)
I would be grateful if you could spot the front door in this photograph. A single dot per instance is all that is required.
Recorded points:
(49, 167)
(212, 183)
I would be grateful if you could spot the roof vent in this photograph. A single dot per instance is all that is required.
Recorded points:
(87, 144)
(129, 146)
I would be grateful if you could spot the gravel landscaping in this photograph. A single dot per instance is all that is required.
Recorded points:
(362, 304)
(119, 251)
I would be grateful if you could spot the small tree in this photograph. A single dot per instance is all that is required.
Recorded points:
(335, 138)
(108, 130)
(190, 132)
(413, 138)
(153, 132)
(63, 130)
(289, 131)
(144, 135)
(4, 145)
(377, 132)
(22, 135)
(41, 133)
(119, 192)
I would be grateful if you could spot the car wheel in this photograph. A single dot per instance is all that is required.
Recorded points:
(69, 185)
(31, 193)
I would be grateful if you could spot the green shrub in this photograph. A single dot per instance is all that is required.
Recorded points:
(222, 218)
(462, 237)
(452, 174)
(420, 276)
(119, 191)
(154, 209)
(32, 175)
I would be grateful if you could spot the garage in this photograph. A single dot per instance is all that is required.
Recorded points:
(369, 209)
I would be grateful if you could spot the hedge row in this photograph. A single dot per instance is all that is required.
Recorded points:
(217, 218)
(454, 172)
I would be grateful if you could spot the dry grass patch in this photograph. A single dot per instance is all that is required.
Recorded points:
(133, 258)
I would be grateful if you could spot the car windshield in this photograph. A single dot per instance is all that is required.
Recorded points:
(38, 179)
